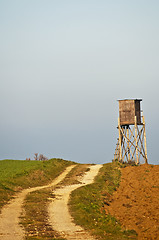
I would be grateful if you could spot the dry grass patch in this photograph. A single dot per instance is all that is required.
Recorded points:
(74, 175)
(35, 217)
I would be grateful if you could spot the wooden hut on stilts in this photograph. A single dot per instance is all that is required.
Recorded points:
(131, 144)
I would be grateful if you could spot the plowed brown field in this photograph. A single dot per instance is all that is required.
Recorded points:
(136, 202)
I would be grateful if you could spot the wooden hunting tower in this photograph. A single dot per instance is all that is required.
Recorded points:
(131, 145)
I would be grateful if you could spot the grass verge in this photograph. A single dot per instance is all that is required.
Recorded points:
(87, 205)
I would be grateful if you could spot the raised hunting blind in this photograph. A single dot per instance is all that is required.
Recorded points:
(131, 144)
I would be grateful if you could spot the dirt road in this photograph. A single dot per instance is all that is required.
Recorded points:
(59, 215)
(9, 218)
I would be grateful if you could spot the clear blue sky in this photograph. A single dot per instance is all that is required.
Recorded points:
(64, 64)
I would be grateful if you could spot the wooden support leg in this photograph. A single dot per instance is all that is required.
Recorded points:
(137, 159)
(146, 161)
(120, 150)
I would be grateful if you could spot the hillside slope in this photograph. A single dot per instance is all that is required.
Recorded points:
(129, 194)
(136, 202)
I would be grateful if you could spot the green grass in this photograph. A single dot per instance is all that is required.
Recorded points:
(16, 175)
(88, 206)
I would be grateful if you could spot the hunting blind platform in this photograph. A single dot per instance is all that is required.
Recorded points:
(131, 144)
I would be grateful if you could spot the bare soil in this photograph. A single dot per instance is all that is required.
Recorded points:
(136, 202)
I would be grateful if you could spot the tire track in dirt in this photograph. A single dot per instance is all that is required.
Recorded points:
(9, 217)
(59, 216)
